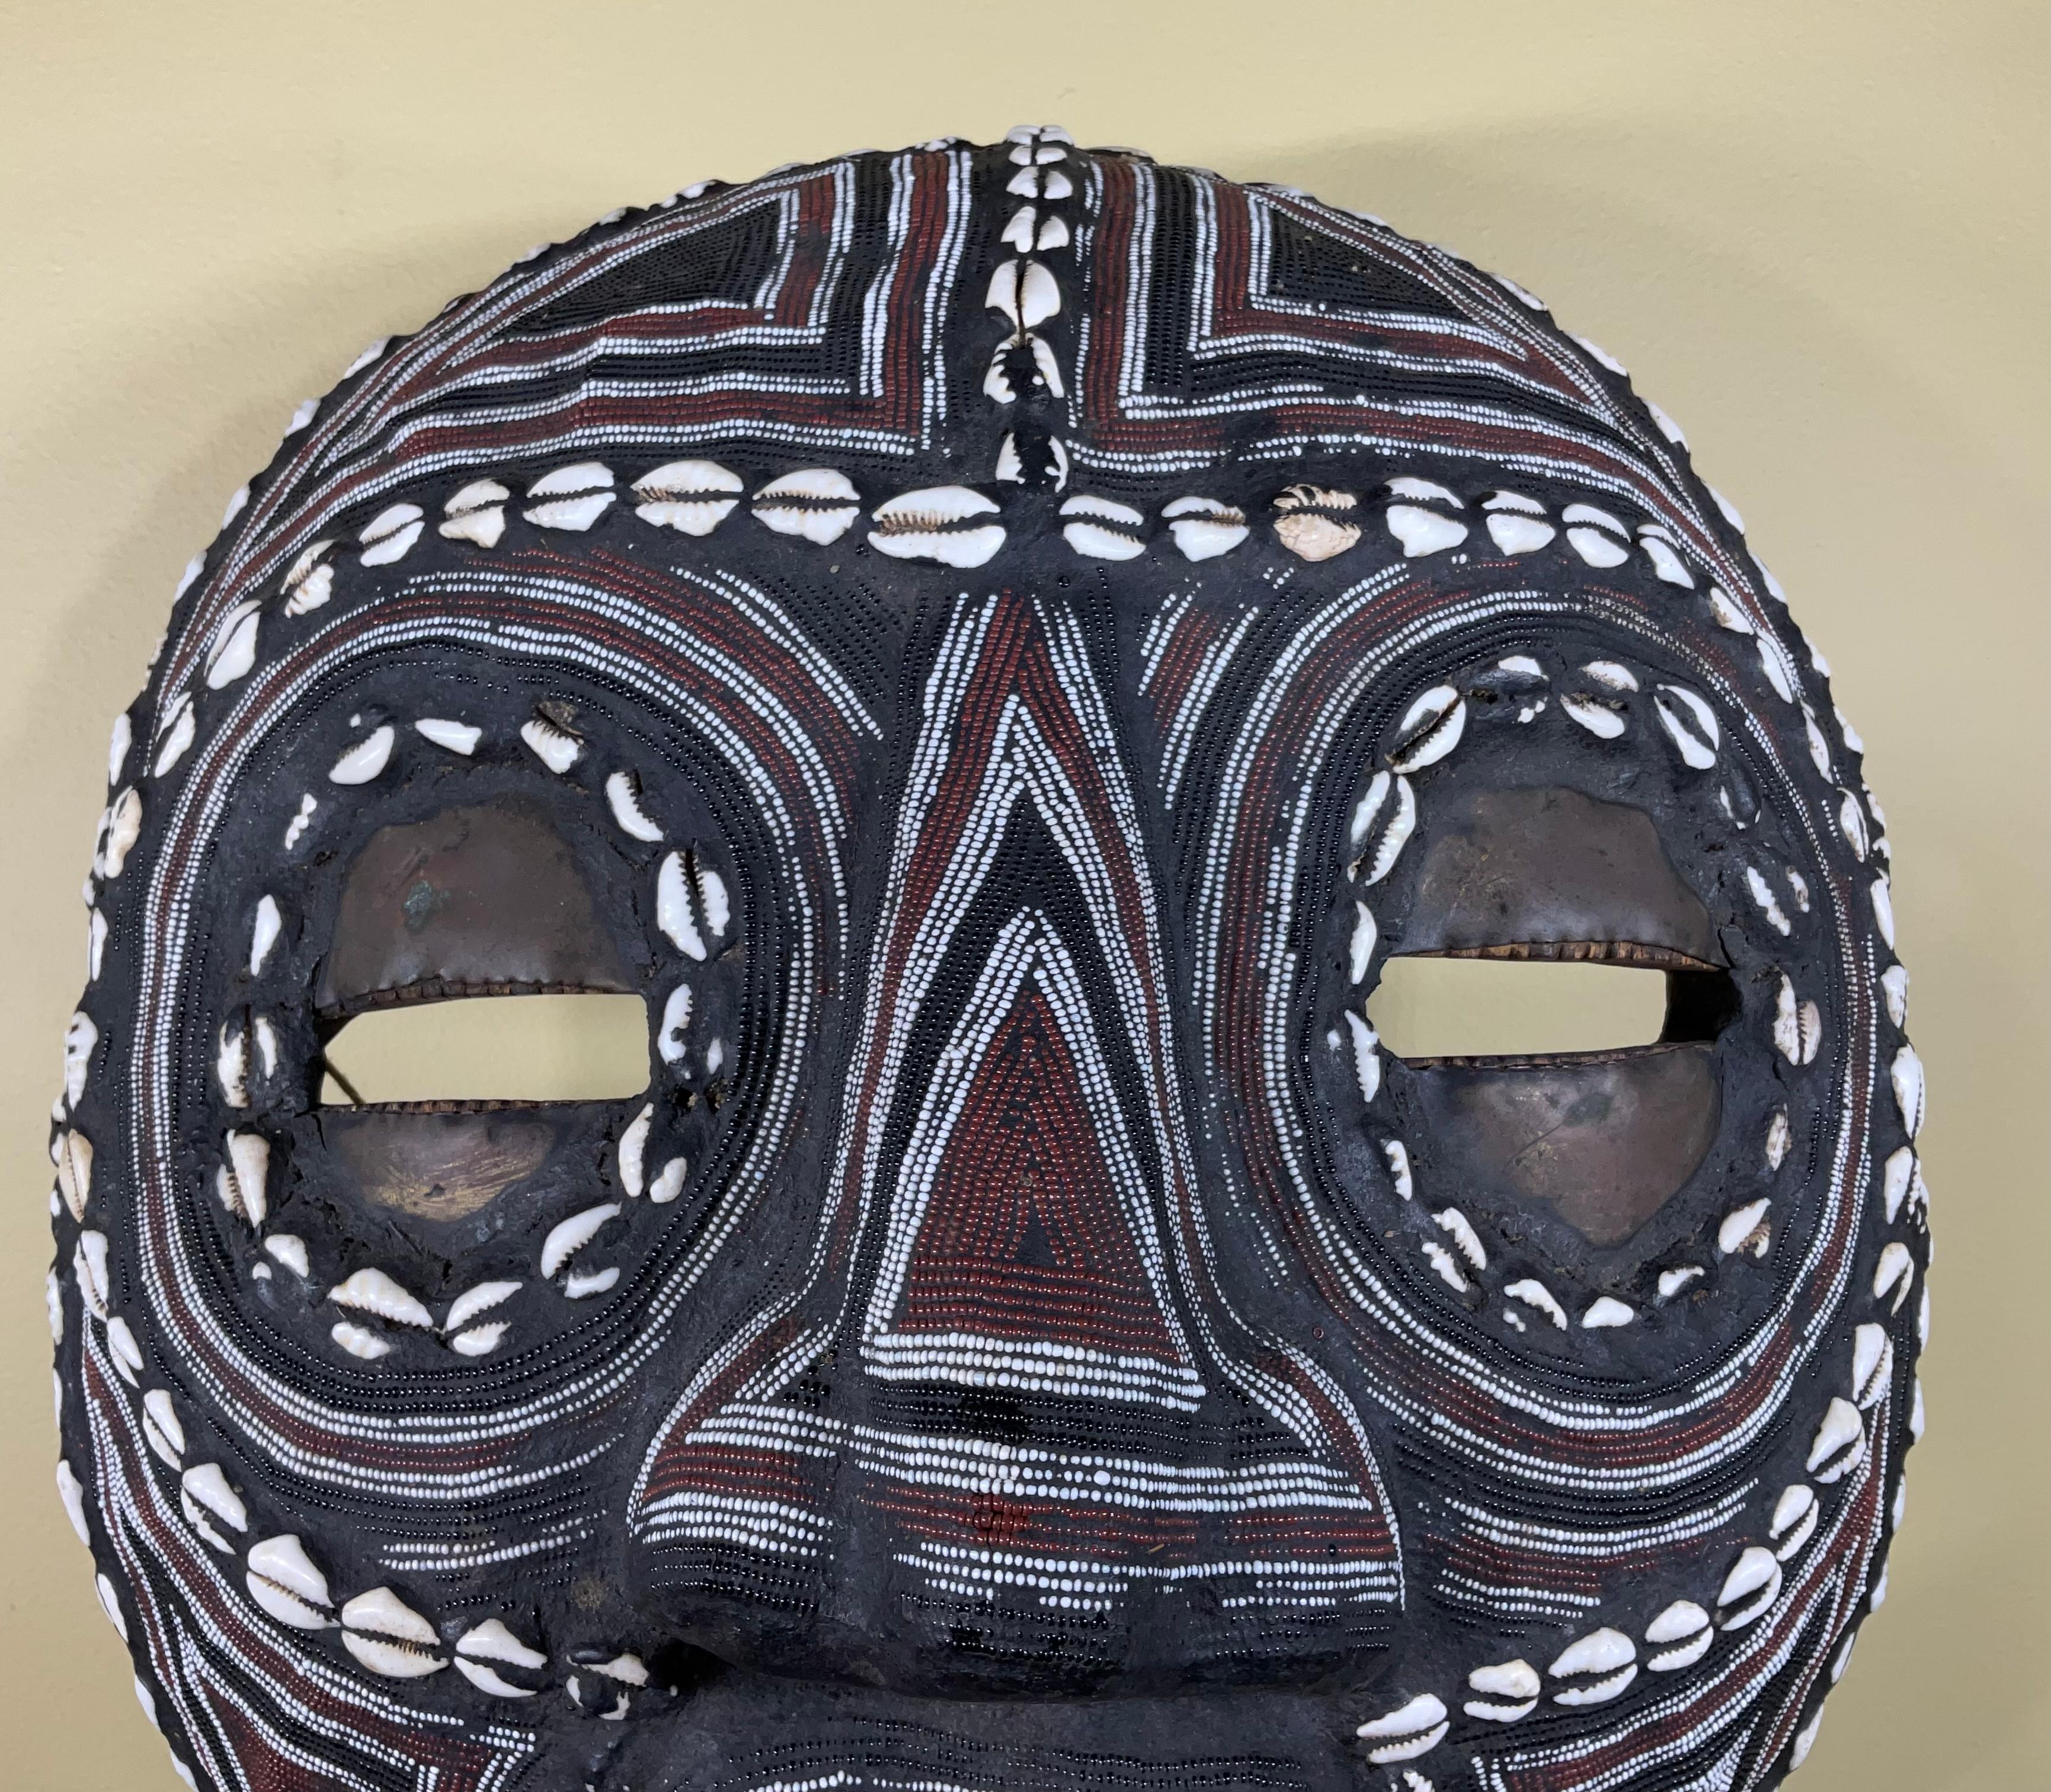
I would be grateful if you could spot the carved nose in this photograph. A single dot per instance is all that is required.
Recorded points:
(1024, 1253)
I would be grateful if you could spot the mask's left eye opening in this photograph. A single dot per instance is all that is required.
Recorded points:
(583, 1047)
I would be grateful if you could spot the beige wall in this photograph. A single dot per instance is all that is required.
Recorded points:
(1815, 232)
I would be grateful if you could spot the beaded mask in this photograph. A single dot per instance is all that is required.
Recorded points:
(997, 647)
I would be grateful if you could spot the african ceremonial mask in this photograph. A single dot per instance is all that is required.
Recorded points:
(998, 646)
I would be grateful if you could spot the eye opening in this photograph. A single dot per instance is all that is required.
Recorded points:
(442, 1047)
(1534, 1004)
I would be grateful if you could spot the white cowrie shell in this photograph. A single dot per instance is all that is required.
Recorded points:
(1793, 1521)
(1894, 1274)
(1412, 1729)
(73, 1496)
(1449, 1269)
(471, 1301)
(1691, 725)
(1515, 501)
(124, 828)
(673, 908)
(1516, 1682)
(1839, 1442)
(1535, 1293)
(921, 525)
(815, 503)
(372, 1290)
(161, 1430)
(1431, 729)
(120, 739)
(1203, 528)
(88, 1260)
(1906, 1075)
(623, 796)
(1423, 532)
(1455, 1226)
(387, 536)
(1595, 548)
(301, 821)
(455, 737)
(1779, 674)
(388, 1637)
(693, 496)
(205, 1487)
(1851, 824)
(479, 1341)
(1753, 1584)
(1598, 717)
(1779, 1135)
(569, 1236)
(1360, 950)
(554, 745)
(291, 1251)
(233, 652)
(110, 1603)
(1606, 1654)
(633, 1147)
(1088, 534)
(310, 582)
(580, 1284)
(1515, 534)
(1740, 1225)
(1798, 1027)
(359, 1341)
(174, 740)
(127, 1354)
(1366, 1055)
(364, 760)
(1394, 829)
(282, 1579)
(669, 1041)
(669, 1182)
(491, 1642)
(1606, 1312)
(231, 1061)
(74, 1156)
(1769, 903)
(1673, 1281)
(1873, 1363)
(1665, 563)
(1684, 1629)
(242, 1181)
(1398, 1155)
(263, 934)
(1894, 991)
(1726, 614)
(476, 513)
(571, 497)
(1898, 1177)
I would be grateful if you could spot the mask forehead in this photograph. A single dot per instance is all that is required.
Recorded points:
(998, 649)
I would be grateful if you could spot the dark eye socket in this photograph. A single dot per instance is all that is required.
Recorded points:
(1555, 992)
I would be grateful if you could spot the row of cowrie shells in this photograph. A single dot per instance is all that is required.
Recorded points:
(953, 525)
(378, 1628)
(1025, 291)
(692, 906)
(1601, 1665)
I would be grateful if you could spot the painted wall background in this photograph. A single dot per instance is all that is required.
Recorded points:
(1816, 234)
